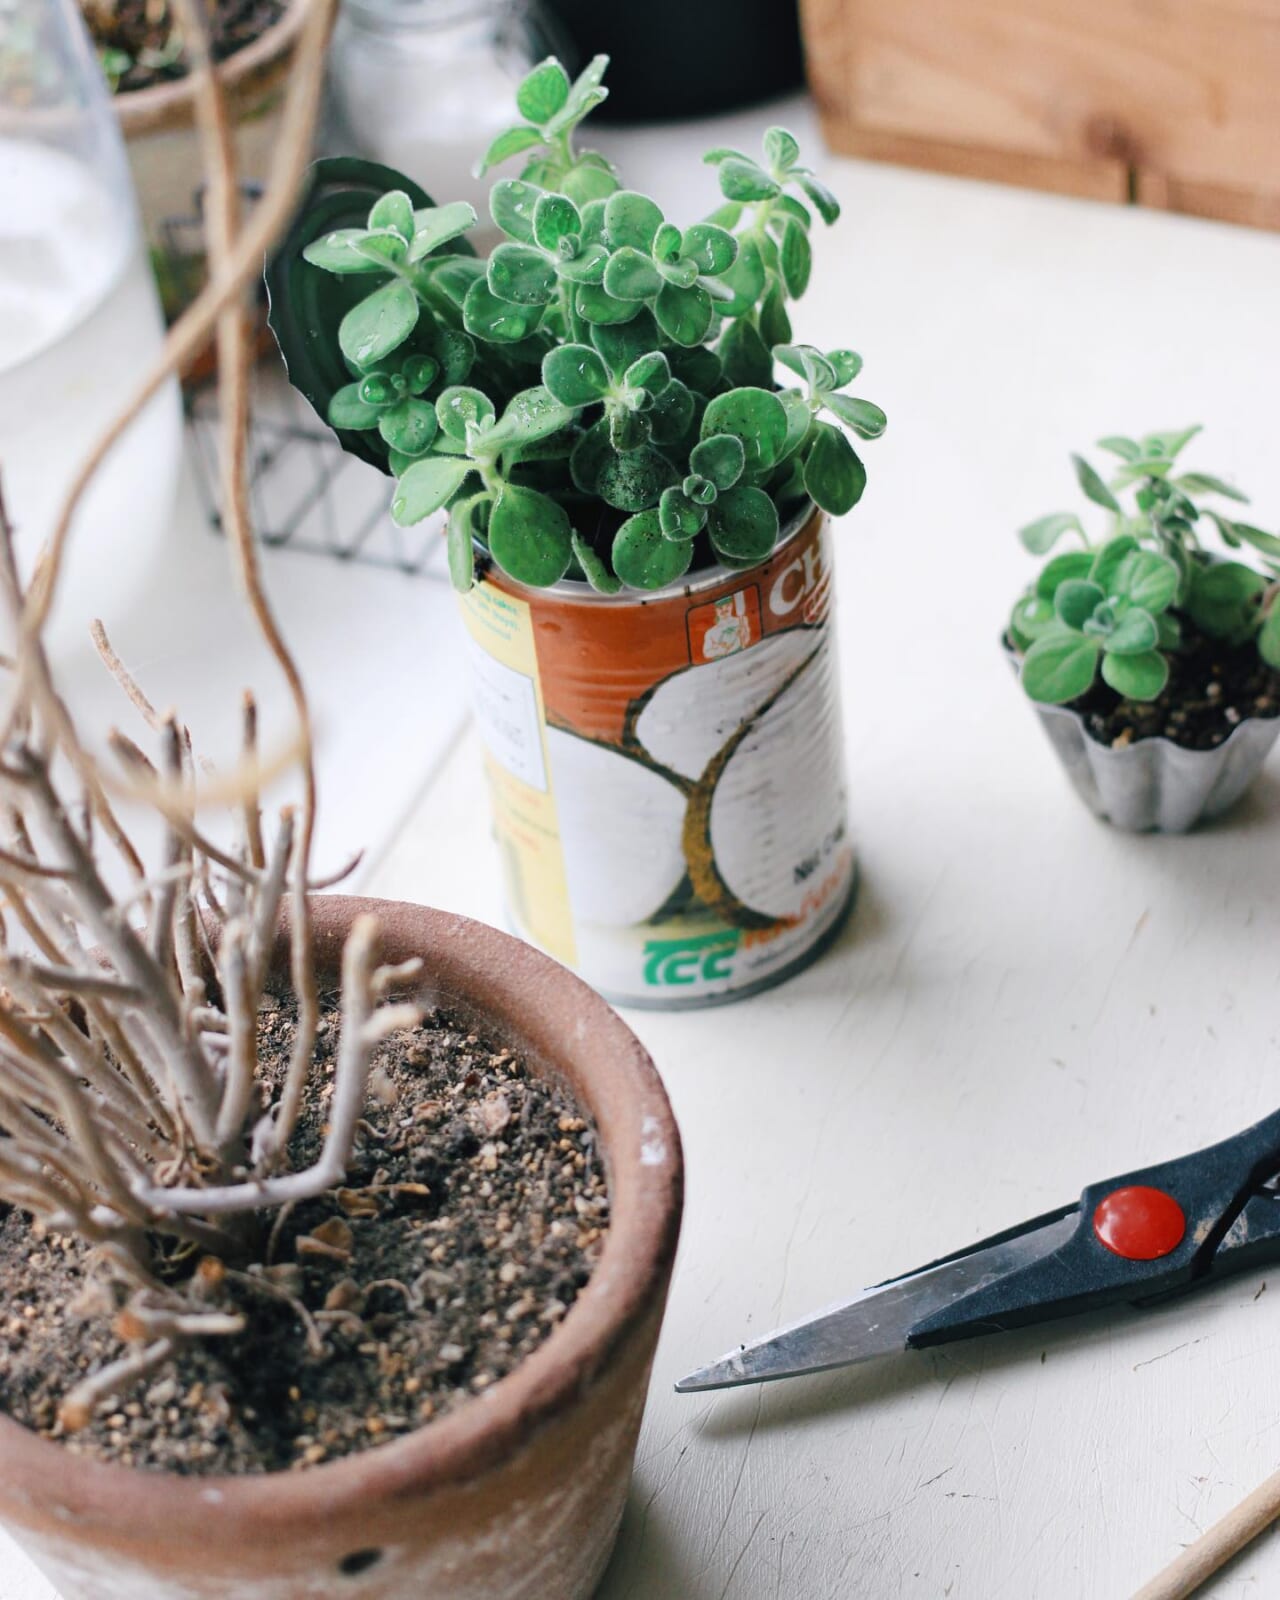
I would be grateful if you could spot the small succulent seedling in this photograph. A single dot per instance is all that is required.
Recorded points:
(598, 397)
(1122, 608)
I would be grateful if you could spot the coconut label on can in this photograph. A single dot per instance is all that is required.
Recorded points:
(667, 773)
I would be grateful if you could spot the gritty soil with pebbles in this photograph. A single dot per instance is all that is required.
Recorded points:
(1212, 689)
(475, 1209)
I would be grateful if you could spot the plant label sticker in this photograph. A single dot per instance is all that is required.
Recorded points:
(681, 801)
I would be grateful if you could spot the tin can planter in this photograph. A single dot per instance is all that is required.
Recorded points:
(667, 773)
(1155, 785)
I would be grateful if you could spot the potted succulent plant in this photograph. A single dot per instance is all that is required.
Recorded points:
(340, 1229)
(1153, 660)
(636, 515)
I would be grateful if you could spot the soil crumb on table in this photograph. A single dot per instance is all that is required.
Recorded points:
(474, 1211)
(1212, 689)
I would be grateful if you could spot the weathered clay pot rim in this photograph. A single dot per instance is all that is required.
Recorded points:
(640, 1246)
(1068, 710)
(171, 103)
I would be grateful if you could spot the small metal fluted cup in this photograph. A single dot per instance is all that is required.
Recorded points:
(1154, 785)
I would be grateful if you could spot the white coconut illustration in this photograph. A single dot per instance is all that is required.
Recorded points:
(620, 830)
(691, 715)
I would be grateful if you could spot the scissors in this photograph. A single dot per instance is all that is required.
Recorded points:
(1144, 1237)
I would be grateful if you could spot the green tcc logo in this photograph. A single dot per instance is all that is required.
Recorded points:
(676, 961)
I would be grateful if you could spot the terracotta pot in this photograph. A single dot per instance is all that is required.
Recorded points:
(160, 130)
(515, 1496)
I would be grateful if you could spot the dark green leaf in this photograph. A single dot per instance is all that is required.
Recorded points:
(1269, 637)
(826, 204)
(1076, 600)
(799, 420)
(521, 274)
(1146, 579)
(796, 259)
(834, 476)
(744, 355)
(598, 307)
(631, 275)
(679, 517)
(530, 415)
(348, 410)
(555, 217)
(671, 414)
(1032, 616)
(721, 458)
(741, 179)
(746, 277)
(781, 149)
(529, 536)
(622, 344)
(1134, 634)
(1268, 543)
(630, 482)
(683, 314)
(1093, 485)
(643, 558)
(575, 374)
(1206, 483)
(713, 250)
(459, 410)
(461, 551)
(1136, 677)
(395, 211)
(743, 524)
(543, 92)
(335, 252)
(775, 324)
(650, 372)
(511, 204)
(866, 420)
(409, 427)
(1223, 600)
(379, 324)
(1075, 564)
(756, 418)
(1060, 666)
(425, 487)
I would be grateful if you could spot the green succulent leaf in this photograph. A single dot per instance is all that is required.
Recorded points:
(595, 570)
(650, 372)
(1171, 442)
(1076, 600)
(1267, 543)
(834, 476)
(799, 421)
(521, 274)
(379, 324)
(1060, 666)
(631, 219)
(512, 204)
(742, 179)
(1032, 616)
(1206, 483)
(775, 324)
(745, 356)
(409, 427)
(497, 321)
(679, 517)
(621, 344)
(348, 410)
(743, 524)
(781, 149)
(1134, 634)
(597, 306)
(825, 203)
(531, 415)
(631, 275)
(671, 414)
(746, 278)
(630, 481)
(514, 142)
(643, 558)
(584, 96)
(721, 458)
(1146, 579)
(425, 487)
(1039, 537)
(1108, 559)
(1117, 445)
(1093, 485)
(395, 211)
(796, 259)
(460, 410)
(756, 418)
(529, 536)
(1136, 677)
(575, 374)
(555, 217)
(713, 250)
(543, 92)
(683, 314)
(1223, 600)
(335, 252)
(866, 420)
(1074, 564)
(586, 267)
(1269, 638)
(460, 546)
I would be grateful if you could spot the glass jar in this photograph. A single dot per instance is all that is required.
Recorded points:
(79, 321)
(425, 85)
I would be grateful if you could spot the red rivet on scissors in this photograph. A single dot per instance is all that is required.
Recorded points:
(1139, 1223)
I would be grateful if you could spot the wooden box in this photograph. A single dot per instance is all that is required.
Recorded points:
(1169, 103)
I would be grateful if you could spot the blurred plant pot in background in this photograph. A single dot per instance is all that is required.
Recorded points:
(686, 58)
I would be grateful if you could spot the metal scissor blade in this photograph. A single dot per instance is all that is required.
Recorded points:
(878, 1321)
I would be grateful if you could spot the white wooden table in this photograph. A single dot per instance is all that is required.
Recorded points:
(1023, 1001)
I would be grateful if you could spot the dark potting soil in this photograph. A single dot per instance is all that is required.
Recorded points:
(1212, 689)
(143, 34)
(475, 1210)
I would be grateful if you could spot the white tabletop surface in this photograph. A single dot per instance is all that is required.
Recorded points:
(1024, 999)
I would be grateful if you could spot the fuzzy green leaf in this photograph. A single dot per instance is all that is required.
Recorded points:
(834, 475)
(721, 458)
(713, 250)
(756, 418)
(1032, 616)
(643, 558)
(459, 546)
(348, 409)
(1136, 677)
(595, 570)
(584, 96)
(497, 321)
(555, 217)
(597, 306)
(543, 92)
(621, 344)
(1126, 449)
(425, 487)
(531, 415)
(631, 219)
(1060, 666)
(1146, 579)
(746, 278)
(459, 409)
(671, 414)
(591, 179)
(633, 481)
(409, 428)
(1223, 600)
(1269, 638)
(781, 149)
(1093, 485)
(775, 324)
(684, 274)
(1107, 560)
(746, 358)
(1039, 537)
(745, 180)
(650, 372)
(679, 517)
(866, 420)
(529, 536)
(512, 204)
(379, 324)
(574, 374)
(1076, 600)
(521, 274)
(1074, 564)
(631, 275)
(743, 524)
(684, 315)
(796, 259)
(437, 225)
(336, 252)
(394, 210)
(1134, 634)
(514, 142)
(1206, 483)
(586, 267)
(825, 203)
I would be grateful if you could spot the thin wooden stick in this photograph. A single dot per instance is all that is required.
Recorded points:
(1212, 1550)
